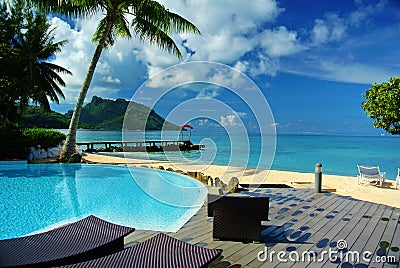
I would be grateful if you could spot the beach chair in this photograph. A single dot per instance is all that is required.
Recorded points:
(159, 251)
(83, 240)
(398, 178)
(238, 217)
(367, 175)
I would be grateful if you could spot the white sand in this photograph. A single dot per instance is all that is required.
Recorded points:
(342, 185)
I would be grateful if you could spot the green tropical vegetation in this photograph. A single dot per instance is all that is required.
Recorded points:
(109, 114)
(27, 75)
(382, 104)
(33, 116)
(26, 48)
(14, 142)
(45, 138)
(100, 113)
(151, 22)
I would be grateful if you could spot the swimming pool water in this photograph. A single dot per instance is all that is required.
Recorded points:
(38, 197)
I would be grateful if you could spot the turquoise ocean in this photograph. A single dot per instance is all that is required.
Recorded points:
(339, 154)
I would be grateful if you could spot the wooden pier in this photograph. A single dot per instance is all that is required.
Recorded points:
(304, 221)
(140, 146)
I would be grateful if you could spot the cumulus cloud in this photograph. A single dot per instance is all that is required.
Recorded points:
(117, 68)
(243, 34)
(208, 93)
(111, 80)
(230, 29)
(259, 65)
(333, 28)
(280, 42)
(229, 120)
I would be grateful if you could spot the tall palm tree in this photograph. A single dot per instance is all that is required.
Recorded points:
(150, 20)
(36, 45)
(27, 43)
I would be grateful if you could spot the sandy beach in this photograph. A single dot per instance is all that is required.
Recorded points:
(342, 185)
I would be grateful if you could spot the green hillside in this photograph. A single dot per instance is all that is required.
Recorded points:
(109, 114)
(34, 116)
(99, 114)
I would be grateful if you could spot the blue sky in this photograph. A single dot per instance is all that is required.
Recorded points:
(311, 60)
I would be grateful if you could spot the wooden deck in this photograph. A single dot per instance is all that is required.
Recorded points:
(302, 222)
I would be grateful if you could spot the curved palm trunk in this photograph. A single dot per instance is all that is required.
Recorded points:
(69, 147)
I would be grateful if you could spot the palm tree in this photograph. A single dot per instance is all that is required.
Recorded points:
(150, 20)
(27, 43)
(36, 45)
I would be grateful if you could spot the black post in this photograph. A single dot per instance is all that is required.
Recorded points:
(318, 178)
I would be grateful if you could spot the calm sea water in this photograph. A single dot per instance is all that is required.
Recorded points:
(339, 154)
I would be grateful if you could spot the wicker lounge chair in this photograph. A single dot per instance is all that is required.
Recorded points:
(83, 240)
(238, 217)
(370, 174)
(160, 251)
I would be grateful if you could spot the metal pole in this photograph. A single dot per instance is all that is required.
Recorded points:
(318, 177)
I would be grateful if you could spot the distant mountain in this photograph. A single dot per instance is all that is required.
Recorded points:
(109, 114)
(99, 114)
(34, 116)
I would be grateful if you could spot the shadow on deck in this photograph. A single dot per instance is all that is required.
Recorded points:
(305, 230)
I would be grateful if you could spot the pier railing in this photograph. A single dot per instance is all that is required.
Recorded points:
(140, 146)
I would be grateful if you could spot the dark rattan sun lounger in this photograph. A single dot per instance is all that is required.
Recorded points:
(83, 240)
(160, 251)
(238, 217)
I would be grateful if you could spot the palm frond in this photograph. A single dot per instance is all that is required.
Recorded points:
(102, 29)
(182, 25)
(71, 8)
(155, 36)
(121, 27)
(56, 68)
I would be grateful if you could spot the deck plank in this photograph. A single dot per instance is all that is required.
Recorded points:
(302, 220)
(369, 225)
(316, 228)
(393, 250)
(351, 222)
(296, 229)
(376, 236)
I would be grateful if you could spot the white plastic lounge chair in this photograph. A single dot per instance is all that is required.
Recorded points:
(398, 178)
(370, 174)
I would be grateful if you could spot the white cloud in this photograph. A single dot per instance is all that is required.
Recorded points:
(345, 72)
(230, 30)
(208, 93)
(365, 9)
(261, 65)
(202, 122)
(332, 29)
(230, 120)
(280, 42)
(353, 73)
(111, 80)
(237, 33)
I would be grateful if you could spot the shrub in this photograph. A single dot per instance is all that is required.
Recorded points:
(12, 142)
(46, 138)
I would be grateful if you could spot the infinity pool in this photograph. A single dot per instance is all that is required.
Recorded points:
(39, 197)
